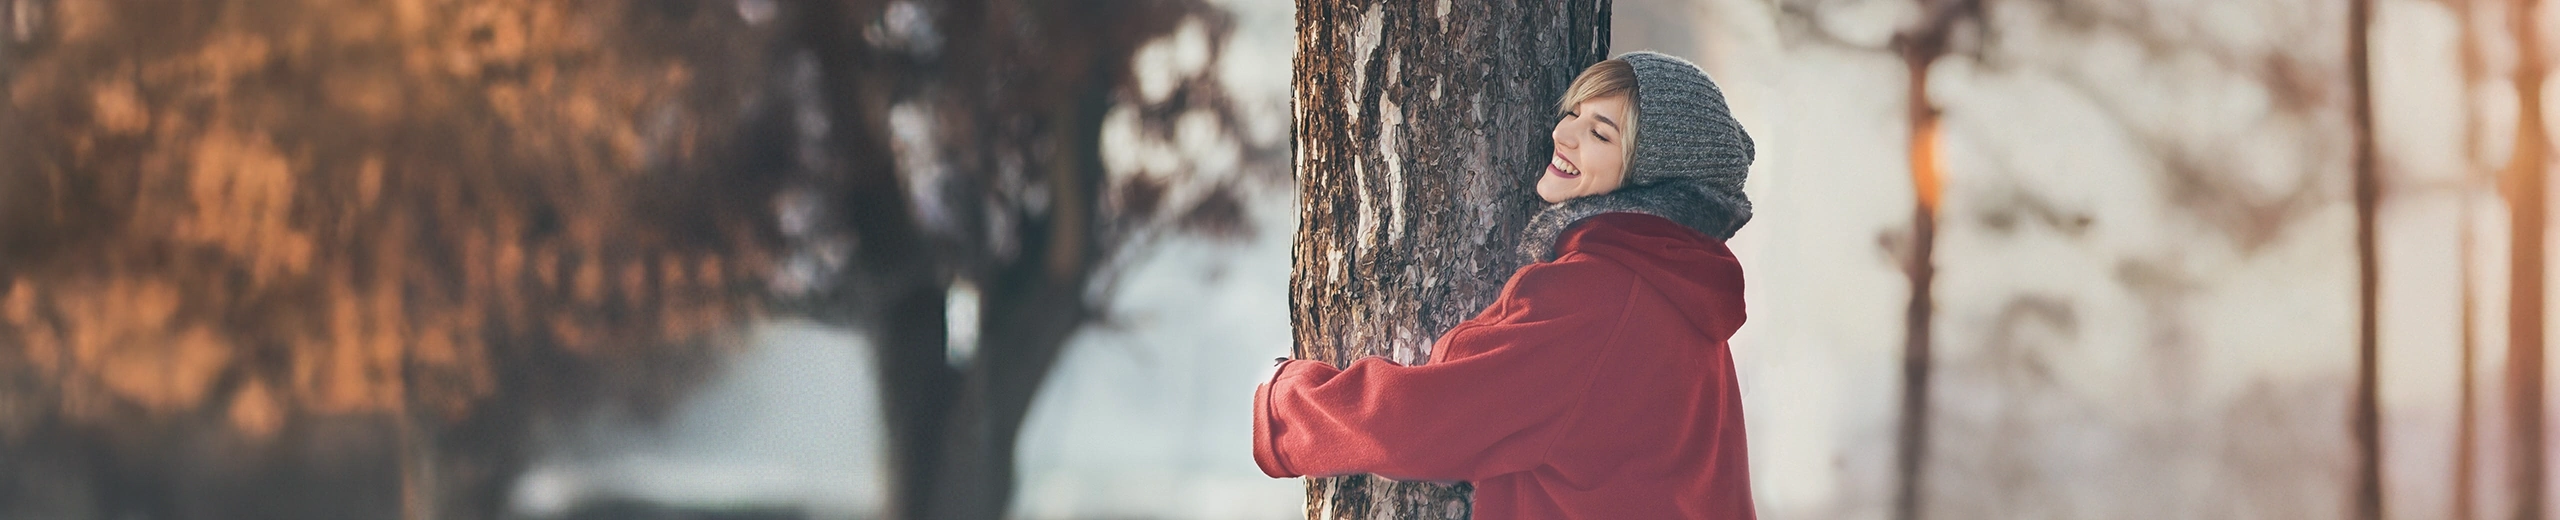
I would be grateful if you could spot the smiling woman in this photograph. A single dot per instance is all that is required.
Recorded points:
(1590, 140)
(1590, 156)
(1599, 384)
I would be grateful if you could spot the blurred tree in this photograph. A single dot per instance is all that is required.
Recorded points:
(1920, 47)
(2525, 196)
(1419, 131)
(967, 138)
(2466, 414)
(1983, 461)
(250, 251)
(224, 229)
(2367, 417)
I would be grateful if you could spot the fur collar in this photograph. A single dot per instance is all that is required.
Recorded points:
(1693, 204)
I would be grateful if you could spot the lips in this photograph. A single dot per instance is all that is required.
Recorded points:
(1560, 167)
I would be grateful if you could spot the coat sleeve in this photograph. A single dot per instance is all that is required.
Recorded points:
(1495, 405)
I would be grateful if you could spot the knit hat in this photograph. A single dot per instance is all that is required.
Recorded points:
(1690, 160)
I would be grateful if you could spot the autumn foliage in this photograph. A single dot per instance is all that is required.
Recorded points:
(360, 207)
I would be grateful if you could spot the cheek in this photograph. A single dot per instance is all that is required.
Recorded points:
(1616, 172)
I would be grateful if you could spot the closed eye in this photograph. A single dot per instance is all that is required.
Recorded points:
(1595, 132)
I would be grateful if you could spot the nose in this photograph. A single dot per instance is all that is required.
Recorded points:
(1563, 137)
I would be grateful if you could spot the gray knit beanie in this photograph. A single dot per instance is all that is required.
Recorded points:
(1690, 160)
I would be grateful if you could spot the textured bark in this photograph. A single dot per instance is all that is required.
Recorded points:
(2367, 416)
(1420, 128)
(2524, 296)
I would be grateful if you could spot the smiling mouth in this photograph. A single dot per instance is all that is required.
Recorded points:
(1560, 167)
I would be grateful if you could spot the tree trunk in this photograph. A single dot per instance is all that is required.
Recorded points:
(907, 329)
(2466, 414)
(1031, 307)
(1920, 48)
(953, 421)
(2524, 296)
(1922, 272)
(1420, 129)
(2367, 422)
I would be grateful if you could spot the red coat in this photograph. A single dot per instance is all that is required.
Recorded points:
(1599, 385)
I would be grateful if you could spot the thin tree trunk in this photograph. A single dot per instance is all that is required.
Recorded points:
(1420, 128)
(2367, 421)
(2524, 297)
(2466, 434)
(1920, 48)
(1916, 324)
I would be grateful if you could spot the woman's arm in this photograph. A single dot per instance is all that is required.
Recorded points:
(1495, 406)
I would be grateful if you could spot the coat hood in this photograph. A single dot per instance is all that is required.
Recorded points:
(1696, 272)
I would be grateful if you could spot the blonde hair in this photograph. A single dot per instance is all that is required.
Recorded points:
(1609, 77)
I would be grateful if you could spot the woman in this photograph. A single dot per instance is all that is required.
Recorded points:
(1599, 384)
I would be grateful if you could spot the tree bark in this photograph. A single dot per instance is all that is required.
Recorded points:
(2367, 417)
(1419, 131)
(2524, 296)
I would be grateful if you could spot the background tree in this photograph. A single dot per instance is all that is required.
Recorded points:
(255, 255)
(2367, 422)
(2525, 196)
(2466, 414)
(2119, 77)
(1419, 131)
(969, 162)
(336, 260)
(1920, 47)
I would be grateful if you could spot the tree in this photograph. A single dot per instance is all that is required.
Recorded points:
(2024, 349)
(2367, 421)
(400, 229)
(1018, 206)
(241, 233)
(2466, 428)
(1920, 47)
(1419, 132)
(2525, 194)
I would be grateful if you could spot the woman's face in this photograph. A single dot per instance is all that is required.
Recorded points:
(1590, 157)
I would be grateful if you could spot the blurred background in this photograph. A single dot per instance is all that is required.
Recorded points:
(773, 259)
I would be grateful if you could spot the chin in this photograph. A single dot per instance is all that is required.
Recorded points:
(1554, 190)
